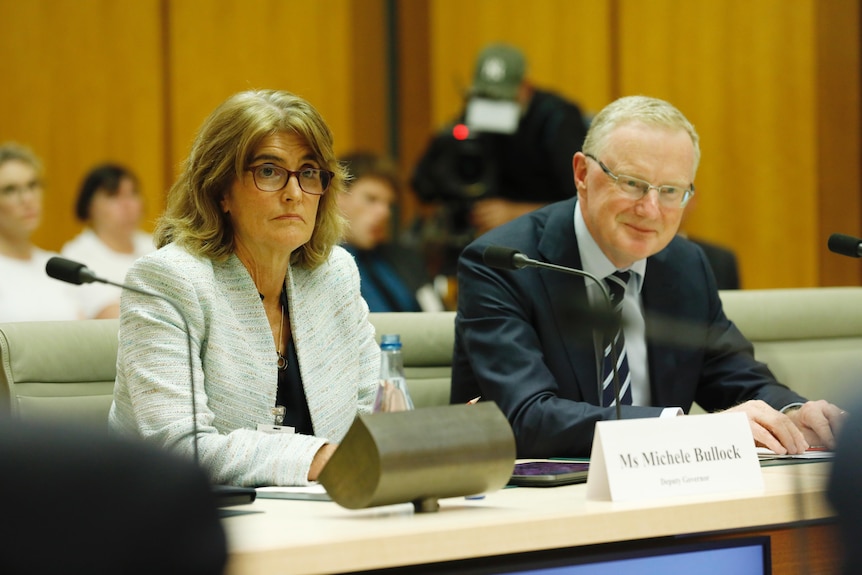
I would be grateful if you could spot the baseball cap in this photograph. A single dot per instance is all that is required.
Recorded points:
(499, 71)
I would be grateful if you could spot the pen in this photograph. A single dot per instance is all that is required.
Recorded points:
(474, 400)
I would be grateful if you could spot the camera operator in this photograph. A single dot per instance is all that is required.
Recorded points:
(509, 152)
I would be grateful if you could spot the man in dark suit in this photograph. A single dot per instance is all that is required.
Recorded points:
(524, 338)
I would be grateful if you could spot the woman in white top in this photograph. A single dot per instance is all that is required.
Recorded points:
(26, 291)
(111, 206)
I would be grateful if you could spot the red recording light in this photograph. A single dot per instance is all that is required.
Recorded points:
(461, 132)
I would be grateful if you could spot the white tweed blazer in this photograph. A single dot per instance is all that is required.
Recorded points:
(233, 357)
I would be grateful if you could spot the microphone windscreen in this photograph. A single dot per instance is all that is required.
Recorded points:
(65, 270)
(500, 257)
(844, 245)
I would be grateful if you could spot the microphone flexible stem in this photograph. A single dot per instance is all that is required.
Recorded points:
(526, 261)
(188, 344)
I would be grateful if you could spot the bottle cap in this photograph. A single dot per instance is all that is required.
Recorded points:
(390, 341)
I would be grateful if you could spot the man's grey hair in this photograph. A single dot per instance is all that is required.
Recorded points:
(637, 109)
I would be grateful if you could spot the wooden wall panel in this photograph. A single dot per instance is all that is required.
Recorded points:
(839, 134)
(323, 51)
(367, 94)
(771, 89)
(748, 85)
(567, 46)
(772, 86)
(413, 83)
(81, 85)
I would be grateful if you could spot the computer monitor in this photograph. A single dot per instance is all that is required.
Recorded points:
(740, 556)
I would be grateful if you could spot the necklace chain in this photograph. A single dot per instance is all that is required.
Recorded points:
(281, 361)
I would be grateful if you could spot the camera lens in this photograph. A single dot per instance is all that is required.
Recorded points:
(470, 167)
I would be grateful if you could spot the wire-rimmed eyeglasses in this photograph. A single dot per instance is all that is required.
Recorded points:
(636, 188)
(272, 178)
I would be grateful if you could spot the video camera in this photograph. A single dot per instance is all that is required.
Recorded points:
(461, 162)
(458, 167)
(457, 170)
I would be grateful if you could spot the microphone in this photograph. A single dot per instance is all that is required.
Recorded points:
(506, 258)
(501, 257)
(845, 245)
(71, 272)
(77, 273)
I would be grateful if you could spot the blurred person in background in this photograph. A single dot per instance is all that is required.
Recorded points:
(394, 277)
(110, 205)
(722, 260)
(26, 291)
(508, 153)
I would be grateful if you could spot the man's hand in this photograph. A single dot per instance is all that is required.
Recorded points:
(819, 421)
(772, 429)
(815, 423)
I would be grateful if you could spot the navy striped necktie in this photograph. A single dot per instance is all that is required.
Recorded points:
(617, 293)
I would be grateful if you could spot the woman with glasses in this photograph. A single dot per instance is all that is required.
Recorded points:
(278, 334)
(26, 291)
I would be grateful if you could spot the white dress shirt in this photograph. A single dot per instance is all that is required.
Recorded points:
(595, 262)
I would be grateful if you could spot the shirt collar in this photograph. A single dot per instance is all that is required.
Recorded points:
(595, 261)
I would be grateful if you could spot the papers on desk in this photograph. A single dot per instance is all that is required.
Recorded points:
(313, 492)
(764, 454)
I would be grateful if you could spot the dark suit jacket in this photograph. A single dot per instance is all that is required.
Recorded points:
(524, 340)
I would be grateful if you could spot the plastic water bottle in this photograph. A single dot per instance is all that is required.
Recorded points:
(392, 394)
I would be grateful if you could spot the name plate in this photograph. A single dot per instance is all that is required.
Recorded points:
(653, 458)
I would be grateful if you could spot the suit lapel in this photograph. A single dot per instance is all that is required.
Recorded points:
(660, 297)
(244, 298)
(567, 299)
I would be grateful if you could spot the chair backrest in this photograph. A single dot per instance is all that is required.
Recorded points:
(428, 341)
(58, 370)
(65, 370)
(811, 338)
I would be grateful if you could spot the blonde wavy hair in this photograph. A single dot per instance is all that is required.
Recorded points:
(221, 152)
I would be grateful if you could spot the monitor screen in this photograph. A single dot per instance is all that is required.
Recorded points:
(740, 556)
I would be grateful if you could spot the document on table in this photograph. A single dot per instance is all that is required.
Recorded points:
(312, 492)
(765, 454)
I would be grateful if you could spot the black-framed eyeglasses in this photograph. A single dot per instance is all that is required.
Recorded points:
(636, 188)
(272, 178)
